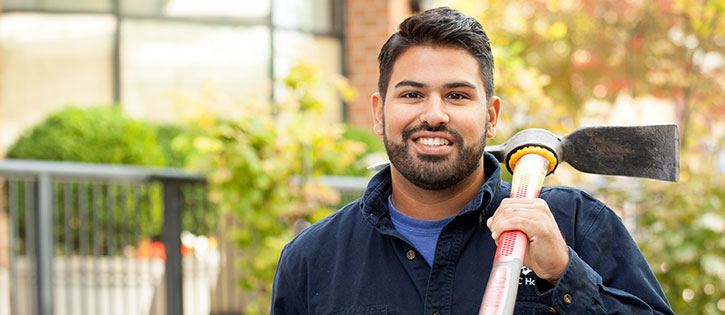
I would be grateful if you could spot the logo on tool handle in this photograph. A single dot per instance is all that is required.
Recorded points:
(497, 288)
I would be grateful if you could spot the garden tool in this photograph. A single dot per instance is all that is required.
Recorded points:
(640, 151)
(532, 154)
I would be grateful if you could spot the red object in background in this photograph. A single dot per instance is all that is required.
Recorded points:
(153, 250)
(186, 251)
(156, 250)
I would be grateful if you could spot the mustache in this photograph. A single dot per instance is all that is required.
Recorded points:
(408, 131)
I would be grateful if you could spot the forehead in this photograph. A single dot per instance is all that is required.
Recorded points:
(436, 65)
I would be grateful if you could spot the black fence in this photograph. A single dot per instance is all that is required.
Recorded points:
(104, 239)
(79, 238)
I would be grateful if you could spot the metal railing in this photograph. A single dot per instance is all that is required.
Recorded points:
(83, 238)
(97, 239)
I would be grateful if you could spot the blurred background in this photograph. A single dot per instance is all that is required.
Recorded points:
(266, 102)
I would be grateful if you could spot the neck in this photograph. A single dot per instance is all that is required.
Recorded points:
(434, 204)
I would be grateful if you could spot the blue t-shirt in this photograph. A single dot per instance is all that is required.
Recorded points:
(422, 233)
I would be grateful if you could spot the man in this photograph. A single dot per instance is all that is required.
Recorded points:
(421, 240)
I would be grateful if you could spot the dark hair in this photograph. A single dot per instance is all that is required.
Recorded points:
(438, 27)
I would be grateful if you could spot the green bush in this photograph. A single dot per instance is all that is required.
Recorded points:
(166, 135)
(366, 136)
(100, 134)
(262, 167)
(105, 135)
(374, 150)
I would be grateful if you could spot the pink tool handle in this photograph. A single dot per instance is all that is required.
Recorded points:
(503, 283)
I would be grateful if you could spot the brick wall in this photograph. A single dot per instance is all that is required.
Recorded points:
(368, 25)
(3, 216)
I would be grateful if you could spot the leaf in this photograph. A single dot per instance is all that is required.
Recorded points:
(557, 30)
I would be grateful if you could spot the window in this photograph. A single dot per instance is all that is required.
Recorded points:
(51, 61)
(163, 62)
(147, 54)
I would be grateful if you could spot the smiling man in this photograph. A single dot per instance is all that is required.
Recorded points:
(434, 125)
(421, 239)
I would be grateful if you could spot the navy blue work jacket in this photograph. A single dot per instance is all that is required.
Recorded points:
(355, 262)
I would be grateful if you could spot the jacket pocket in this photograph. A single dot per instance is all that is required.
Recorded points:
(365, 310)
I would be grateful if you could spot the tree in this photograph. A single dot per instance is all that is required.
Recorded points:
(553, 57)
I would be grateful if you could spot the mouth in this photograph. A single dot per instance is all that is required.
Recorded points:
(433, 144)
(432, 141)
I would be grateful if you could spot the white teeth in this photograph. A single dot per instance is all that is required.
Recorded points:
(433, 141)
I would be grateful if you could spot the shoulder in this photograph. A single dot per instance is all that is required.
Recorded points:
(569, 201)
(577, 212)
(321, 238)
(569, 196)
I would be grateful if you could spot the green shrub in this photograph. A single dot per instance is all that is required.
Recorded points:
(105, 135)
(166, 135)
(261, 168)
(374, 150)
(365, 135)
(100, 134)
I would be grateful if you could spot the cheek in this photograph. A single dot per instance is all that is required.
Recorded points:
(471, 125)
(398, 118)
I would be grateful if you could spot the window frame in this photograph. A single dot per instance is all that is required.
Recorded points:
(336, 31)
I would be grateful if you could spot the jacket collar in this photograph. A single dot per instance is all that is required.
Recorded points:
(374, 205)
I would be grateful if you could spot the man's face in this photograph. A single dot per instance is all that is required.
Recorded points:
(436, 119)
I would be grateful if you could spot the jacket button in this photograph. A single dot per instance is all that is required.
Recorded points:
(552, 310)
(410, 254)
(567, 299)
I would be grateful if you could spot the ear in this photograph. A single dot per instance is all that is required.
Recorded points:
(376, 105)
(494, 109)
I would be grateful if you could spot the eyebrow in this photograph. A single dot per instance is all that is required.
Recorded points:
(411, 84)
(452, 85)
(455, 85)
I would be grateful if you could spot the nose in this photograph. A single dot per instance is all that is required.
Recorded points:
(434, 112)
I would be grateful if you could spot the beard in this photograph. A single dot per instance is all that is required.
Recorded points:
(434, 172)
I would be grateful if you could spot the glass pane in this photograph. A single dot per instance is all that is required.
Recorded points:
(308, 15)
(65, 5)
(221, 8)
(167, 65)
(51, 61)
(324, 53)
(146, 7)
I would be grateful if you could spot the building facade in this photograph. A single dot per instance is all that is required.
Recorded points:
(155, 58)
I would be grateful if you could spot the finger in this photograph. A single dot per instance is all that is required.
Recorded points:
(518, 223)
(526, 225)
(512, 213)
(507, 212)
(530, 208)
(528, 215)
(535, 203)
(511, 208)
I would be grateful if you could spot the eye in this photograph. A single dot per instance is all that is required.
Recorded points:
(411, 95)
(457, 96)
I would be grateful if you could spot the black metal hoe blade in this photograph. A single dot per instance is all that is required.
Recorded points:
(637, 151)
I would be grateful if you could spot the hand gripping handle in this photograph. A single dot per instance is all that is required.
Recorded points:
(531, 167)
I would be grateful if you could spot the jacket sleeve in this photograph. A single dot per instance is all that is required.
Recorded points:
(606, 274)
(287, 290)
